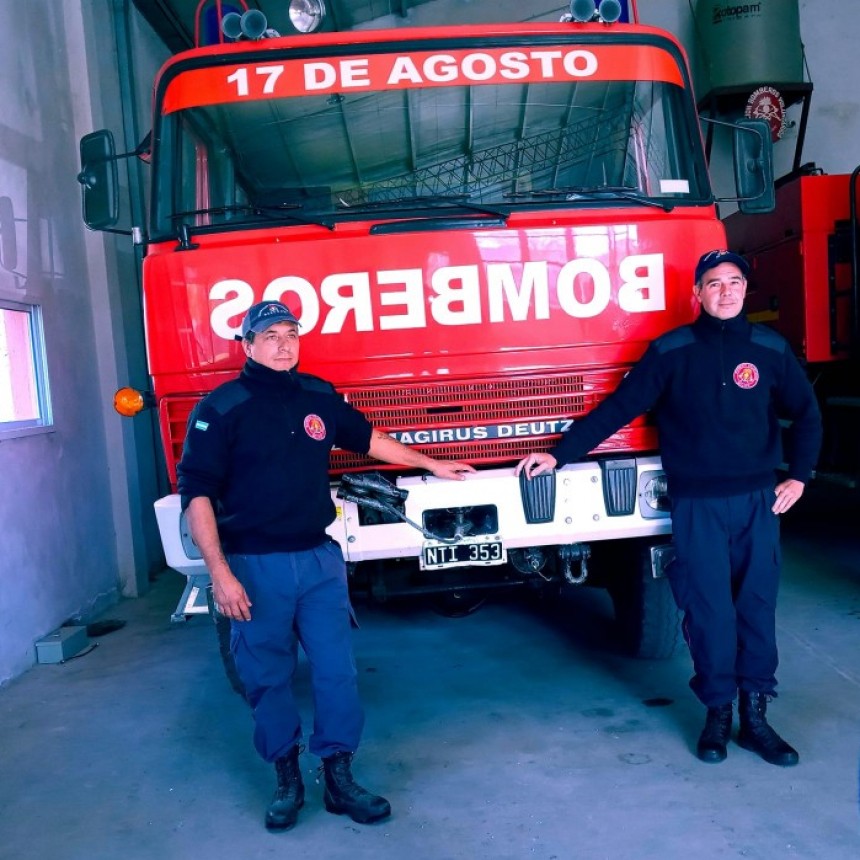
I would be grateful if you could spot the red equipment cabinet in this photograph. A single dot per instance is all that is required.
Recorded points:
(804, 283)
(800, 275)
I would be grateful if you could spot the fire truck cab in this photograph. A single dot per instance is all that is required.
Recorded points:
(480, 229)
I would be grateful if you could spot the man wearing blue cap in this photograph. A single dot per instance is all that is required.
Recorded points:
(254, 481)
(718, 389)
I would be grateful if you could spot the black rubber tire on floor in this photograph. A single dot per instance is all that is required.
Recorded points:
(222, 632)
(647, 617)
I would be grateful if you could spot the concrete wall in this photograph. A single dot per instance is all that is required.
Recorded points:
(76, 523)
(829, 33)
(76, 530)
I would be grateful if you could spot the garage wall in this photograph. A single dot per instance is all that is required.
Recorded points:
(76, 529)
(76, 523)
(829, 33)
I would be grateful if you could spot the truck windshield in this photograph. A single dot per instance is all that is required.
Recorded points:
(248, 155)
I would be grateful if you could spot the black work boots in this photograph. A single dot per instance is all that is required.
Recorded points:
(283, 811)
(715, 736)
(755, 733)
(757, 736)
(343, 796)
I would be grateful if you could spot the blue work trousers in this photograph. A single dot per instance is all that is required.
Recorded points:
(725, 581)
(298, 598)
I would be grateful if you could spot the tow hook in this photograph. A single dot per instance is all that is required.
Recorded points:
(568, 555)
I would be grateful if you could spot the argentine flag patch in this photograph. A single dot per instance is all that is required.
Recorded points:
(201, 425)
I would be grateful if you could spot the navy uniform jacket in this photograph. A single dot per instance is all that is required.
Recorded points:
(717, 389)
(258, 448)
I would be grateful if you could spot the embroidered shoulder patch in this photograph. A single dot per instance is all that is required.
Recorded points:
(201, 425)
(315, 427)
(746, 375)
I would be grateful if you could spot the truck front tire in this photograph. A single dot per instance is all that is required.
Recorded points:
(647, 618)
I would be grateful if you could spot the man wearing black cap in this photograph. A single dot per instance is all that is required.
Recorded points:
(718, 389)
(254, 482)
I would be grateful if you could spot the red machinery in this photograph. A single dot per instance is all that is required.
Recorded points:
(804, 258)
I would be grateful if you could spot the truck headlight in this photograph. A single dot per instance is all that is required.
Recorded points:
(654, 494)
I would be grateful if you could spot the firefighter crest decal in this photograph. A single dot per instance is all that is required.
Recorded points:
(746, 375)
(766, 103)
(314, 427)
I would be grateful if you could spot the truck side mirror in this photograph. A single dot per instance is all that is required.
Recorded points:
(753, 161)
(98, 178)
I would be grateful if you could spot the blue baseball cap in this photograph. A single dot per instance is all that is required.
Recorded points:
(714, 258)
(265, 314)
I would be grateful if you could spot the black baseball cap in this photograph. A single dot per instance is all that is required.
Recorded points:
(714, 258)
(265, 314)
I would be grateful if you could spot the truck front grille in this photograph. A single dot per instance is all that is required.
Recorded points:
(456, 420)
(441, 417)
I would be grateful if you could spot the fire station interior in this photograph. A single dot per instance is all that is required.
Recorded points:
(506, 727)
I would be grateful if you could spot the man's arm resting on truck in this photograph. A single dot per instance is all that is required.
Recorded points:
(384, 447)
(230, 597)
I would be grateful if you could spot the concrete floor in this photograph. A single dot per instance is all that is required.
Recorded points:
(516, 732)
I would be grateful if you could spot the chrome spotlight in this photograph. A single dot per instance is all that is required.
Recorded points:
(307, 16)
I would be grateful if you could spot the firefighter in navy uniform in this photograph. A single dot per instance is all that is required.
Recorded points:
(254, 481)
(717, 389)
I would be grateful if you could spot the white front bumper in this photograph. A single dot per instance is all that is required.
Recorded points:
(580, 515)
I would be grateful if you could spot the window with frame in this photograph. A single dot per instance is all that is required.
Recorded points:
(24, 394)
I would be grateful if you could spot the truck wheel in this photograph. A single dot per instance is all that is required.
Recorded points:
(648, 620)
(222, 632)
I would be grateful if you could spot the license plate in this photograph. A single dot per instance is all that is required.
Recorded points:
(440, 555)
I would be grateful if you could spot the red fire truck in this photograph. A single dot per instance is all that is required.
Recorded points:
(480, 229)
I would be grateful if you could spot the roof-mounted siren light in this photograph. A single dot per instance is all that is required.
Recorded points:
(307, 16)
(587, 11)
(249, 25)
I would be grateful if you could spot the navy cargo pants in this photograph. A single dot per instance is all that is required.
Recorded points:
(725, 581)
(298, 598)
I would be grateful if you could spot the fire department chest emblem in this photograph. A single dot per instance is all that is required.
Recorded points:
(314, 427)
(746, 375)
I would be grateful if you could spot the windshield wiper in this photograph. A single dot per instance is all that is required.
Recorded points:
(432, 201)
(277, 213)
(593, 192)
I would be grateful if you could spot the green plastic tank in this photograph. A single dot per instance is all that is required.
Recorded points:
(749, 44)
